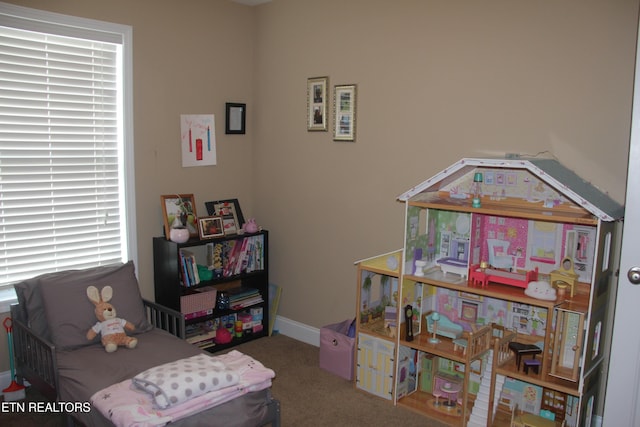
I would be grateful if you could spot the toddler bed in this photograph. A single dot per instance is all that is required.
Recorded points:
(52, 352)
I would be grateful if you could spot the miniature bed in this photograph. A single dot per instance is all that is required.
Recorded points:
(482, 277)
(52, 352)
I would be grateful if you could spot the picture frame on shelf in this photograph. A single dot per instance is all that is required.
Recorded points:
(317, 103)
(236, 117)
(344, 113)
(230, 212)
(179, 210)
(210, 227)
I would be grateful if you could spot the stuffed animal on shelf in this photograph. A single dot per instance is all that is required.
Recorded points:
(251, 226)
(111, 327)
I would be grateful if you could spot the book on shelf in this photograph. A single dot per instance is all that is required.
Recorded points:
(229, 254)
(247, 302)
(241, 292)
(201, 337)
(242, 297)
(195, 315)
(215, 252)
(189, 269)
(242, 254)
(200, 333)
(233, 257)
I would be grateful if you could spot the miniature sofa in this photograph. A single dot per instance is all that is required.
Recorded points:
(446, 327)
(52, 352)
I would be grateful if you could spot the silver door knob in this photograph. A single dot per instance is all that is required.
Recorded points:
(634, 275)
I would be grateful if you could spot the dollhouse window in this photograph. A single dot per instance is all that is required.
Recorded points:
(543, 241)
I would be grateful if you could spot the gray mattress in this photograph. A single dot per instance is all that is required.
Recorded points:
(81, 374)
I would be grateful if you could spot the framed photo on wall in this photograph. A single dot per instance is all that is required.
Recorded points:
(236, 118)
(179, 210)
(344, 113)
(317, 103)
(230, 212)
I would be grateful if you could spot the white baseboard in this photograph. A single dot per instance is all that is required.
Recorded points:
(297, 330)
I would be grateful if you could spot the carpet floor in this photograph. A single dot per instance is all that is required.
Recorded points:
(309, 396)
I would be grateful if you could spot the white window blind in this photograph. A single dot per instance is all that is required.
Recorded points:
(63, 189)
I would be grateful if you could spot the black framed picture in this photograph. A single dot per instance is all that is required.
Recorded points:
(236, 118)
(230, 212)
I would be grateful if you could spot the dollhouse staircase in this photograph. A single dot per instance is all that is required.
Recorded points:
(480, 410)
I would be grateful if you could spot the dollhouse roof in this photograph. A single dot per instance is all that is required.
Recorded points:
(546, 179)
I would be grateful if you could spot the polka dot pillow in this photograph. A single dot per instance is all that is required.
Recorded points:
(176, 382)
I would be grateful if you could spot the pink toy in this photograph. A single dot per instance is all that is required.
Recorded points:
(223, 336)
(250, 226)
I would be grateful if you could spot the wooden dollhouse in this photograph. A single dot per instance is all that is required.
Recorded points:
(523, 269)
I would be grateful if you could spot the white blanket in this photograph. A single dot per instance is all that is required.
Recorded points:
(128, 406)
(176, 382)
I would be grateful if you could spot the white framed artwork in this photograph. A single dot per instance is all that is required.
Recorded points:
(198, 139)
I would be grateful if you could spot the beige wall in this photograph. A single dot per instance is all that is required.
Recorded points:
(437, 81)
(189, 58)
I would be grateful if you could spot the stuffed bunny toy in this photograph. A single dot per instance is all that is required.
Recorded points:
(111, 327)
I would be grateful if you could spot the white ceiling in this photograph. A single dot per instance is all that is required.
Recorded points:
(251, 2)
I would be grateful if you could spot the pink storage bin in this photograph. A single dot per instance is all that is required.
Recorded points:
(337, 349)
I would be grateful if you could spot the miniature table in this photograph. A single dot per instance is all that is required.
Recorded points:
(451, 389)
(521, 349)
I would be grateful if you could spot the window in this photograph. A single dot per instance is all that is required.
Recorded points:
(66, 196)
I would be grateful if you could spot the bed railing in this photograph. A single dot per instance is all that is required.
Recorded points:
(35, 357)
(165, 318)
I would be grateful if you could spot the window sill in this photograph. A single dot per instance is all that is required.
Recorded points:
(7, 297)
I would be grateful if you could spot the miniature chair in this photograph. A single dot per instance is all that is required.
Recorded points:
(460, 343)
(437, 394)
(531, 363)
(498, 256)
